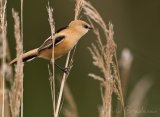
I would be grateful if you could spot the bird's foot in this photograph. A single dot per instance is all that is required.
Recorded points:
(66, 70)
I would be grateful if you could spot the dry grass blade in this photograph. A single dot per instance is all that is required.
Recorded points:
(103, 57)
(16, 93)
(52, 78)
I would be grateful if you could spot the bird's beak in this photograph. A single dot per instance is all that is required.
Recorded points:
(90, 28)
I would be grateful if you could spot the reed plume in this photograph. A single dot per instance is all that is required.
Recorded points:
(16, 93)
(104, 57)
(125, 65)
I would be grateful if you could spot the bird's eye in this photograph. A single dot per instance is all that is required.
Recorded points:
(85, 26)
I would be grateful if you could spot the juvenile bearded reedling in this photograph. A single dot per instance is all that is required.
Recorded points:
(65, 39)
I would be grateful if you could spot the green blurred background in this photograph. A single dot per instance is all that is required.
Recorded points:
(136, 26)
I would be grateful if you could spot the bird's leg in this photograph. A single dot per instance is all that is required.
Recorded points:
(66, 70)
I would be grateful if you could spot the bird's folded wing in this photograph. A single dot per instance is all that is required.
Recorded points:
(49, 43)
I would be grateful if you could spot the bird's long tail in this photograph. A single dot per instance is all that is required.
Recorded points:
(27, 56)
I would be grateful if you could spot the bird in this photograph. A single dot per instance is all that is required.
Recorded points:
(64, 40)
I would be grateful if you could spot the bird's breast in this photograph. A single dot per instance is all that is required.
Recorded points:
(64, 47)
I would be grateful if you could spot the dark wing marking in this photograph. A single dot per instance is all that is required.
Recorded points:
(61, 29)
(58, 40)
(48, 43)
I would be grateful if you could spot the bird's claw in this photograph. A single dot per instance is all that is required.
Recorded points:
(66, 70)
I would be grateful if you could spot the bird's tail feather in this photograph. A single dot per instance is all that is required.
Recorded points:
(27, 56)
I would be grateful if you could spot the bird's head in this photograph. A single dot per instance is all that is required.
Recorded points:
(80, 26)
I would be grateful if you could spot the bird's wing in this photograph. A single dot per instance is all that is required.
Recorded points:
(49, 43)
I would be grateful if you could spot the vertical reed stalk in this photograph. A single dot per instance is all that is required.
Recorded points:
(3, 27)
(52, 78)
(69, 60)
(22, 43)
(65, 75)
